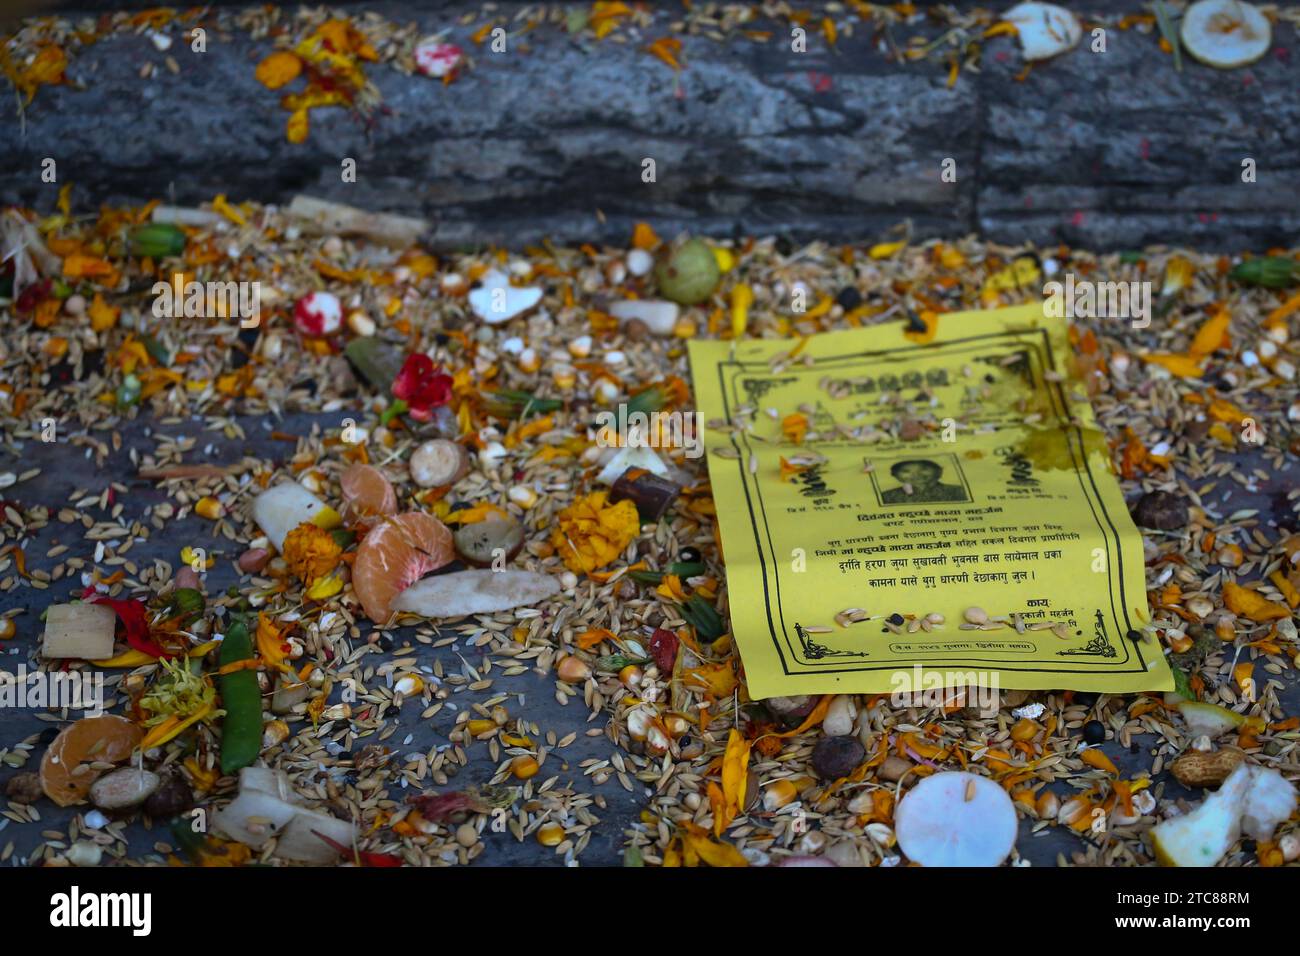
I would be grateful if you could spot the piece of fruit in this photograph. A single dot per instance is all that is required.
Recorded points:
(82, 631)
(492, 540)
(438, 462)
(475, 592)
(66, 777)
(690, 273)
(1211, 719)
(279, 510)
(1225, 33)
(1203, 836)
(956, 819)
(1044, 29)
(367, 494)
(1270, 800)
(395, 554)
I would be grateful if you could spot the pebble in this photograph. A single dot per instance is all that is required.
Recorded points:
(84, 853)
(840, 716)
(836, 757)
(640, 262)
(1161, 510)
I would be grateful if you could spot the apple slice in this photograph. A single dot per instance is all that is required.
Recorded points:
(956, 819)
(1225, 33)
(1203, 836)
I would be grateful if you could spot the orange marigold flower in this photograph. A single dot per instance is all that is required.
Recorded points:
(590, 533)
(311, 552)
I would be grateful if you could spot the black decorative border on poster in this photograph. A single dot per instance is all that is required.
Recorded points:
(1074, 441)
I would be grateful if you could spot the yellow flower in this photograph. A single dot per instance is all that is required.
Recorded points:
(311, 552)
(589, 534)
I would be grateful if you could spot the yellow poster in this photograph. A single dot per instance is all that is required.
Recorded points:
(904, 510)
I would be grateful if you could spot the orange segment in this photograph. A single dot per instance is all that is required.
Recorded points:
(394, 555)
(65, 772)
(367, 493)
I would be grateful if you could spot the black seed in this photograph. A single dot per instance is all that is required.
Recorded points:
(1134, 636)
(1094, 731)
(848, 298)
(914, 323)
(1086, 698)
(836, 757)
(896, 620)
(384, 642)
(784, 246)
(459, 506)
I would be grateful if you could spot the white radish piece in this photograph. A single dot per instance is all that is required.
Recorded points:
(1225, 33)
(659, 316)
(956, 819)
(300, 844)
(269, 781)
(123, 789)
(475, 592)
(279, 510)
(82, 631)
(1045, 30)
(1270, 800)
(496, 300)
(439, 462)
(632, 456)
(254, 818)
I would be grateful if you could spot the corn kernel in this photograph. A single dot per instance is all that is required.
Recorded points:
(550, 834)
(209, 507)
(477, 727)
(524, 766)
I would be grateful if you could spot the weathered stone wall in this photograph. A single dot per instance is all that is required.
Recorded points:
(1108, 151)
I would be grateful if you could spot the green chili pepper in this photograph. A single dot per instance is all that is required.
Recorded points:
(241, 731)
(1272, 272)
(157, 240)
(188, 840)
(682, 569)
(513, 404)
(700, 615)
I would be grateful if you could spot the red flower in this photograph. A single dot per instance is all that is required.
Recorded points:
(422, 386)
(135, 624)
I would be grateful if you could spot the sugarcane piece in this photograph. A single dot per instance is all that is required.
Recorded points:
(321, 217)
(83, 631)
(651, 493)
